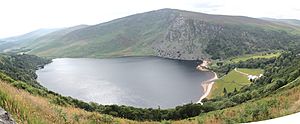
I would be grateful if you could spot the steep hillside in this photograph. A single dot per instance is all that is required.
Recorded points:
(170, 33)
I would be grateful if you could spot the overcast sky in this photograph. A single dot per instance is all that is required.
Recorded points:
(22, 16)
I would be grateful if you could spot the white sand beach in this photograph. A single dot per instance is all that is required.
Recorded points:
(208, 84)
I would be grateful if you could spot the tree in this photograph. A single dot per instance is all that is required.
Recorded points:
(235, 90)
(225, 91)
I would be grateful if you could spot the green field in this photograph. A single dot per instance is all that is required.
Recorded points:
(255, 56)
(233, 80)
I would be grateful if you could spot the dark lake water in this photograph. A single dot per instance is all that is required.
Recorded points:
(135, 81)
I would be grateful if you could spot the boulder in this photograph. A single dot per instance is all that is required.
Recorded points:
(5, 118)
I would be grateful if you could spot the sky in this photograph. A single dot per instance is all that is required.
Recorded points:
(22, 16)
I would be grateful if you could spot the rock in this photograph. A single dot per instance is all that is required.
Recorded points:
(5, 118)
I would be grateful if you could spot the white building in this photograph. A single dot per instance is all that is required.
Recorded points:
(252, 77)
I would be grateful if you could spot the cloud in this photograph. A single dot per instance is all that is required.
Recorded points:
(208, 4)
(296, 9)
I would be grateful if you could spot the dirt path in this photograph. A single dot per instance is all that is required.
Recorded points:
(235, 69)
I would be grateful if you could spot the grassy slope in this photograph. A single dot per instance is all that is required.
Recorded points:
(28, 108)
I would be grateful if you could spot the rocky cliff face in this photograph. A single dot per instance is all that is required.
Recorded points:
(5, 118)
(186, 38)
(191, 36)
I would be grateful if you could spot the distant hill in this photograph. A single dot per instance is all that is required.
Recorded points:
(53, 36)
(294, 22)
(168, 33)
(30, 35)
(15, 42)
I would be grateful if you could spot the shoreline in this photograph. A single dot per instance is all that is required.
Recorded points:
(208, 84)
(203, 66)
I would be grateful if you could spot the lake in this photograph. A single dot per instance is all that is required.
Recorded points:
(134, 81)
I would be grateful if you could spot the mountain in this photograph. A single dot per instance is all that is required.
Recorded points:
(15, 42)
(294, 22)
(53, 36)
(169, 33)
(30, 35)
